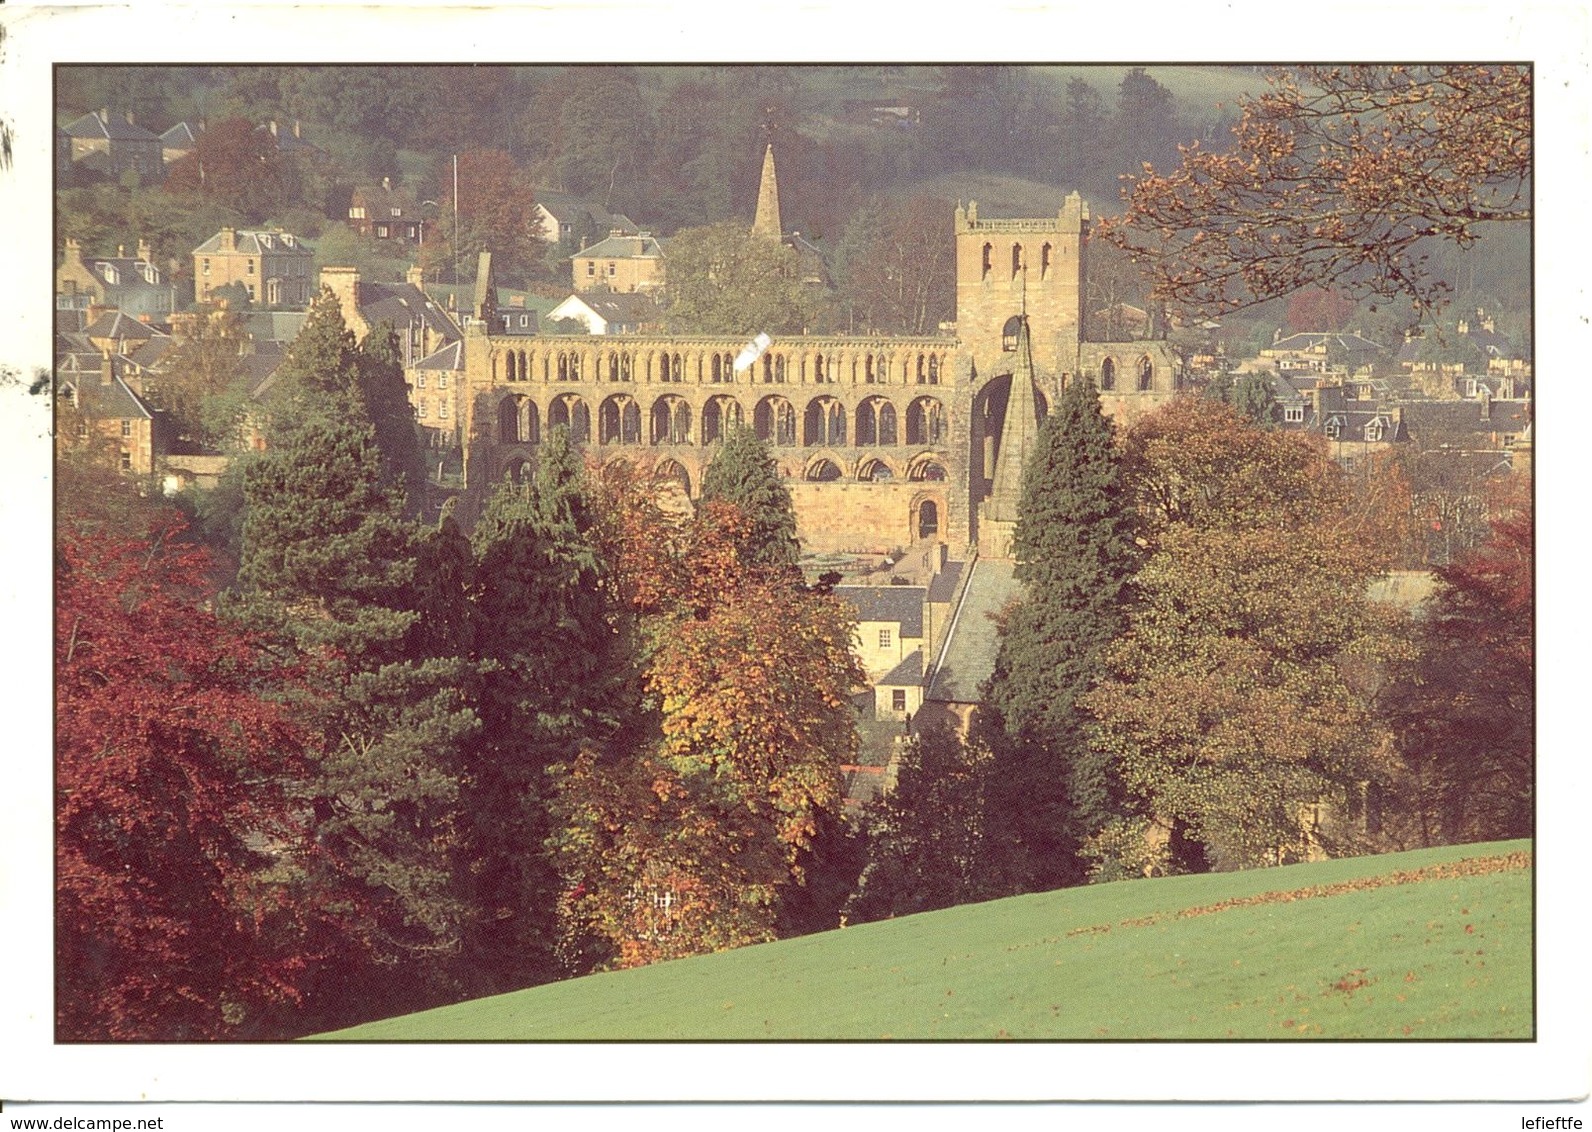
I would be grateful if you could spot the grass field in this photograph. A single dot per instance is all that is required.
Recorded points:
(1424, 945)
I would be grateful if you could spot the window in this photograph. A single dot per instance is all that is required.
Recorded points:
(898, 699)
(206, 266)
(1334, 427)
(127, 428)
(250, 267)
(591, 269)
(613, 269)
(355, 213)
(1295, 413)
(886, 638)
(442, 381)
(127, 460)
(442, 409)
(420, 381)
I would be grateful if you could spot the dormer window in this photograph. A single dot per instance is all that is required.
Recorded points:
(1373, 430)
(1334, 427)
(1294, 413)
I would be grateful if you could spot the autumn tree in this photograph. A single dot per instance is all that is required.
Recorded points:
(199, 386)
(1466, 709)
(1076, 556)
(721, 280)
(1341, 178)
(238, 166)
(496, 213)
(682, 841)
(173, 808)
(1230, 710)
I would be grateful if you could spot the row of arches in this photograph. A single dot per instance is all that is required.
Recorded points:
(824, 421)
(830, 467)
(817, 366)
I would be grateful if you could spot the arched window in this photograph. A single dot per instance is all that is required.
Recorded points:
(934, 369)
(824, 423)
(1108, 374)
(510, 374)
(927, 469)
(989, 250)
(887, 423)
(619, 421)
(509, 420)
(570, 412)
(867, 422)
(717, 373)
(925, 421)
(673, 470)
(1017, 259)
(1044, 261)
(774, 421)
(671, 421)
(928, 519)
(1146, 374)
(530, 425)
(875, 471)
(719, 416)
(823, 471)
(563, 366)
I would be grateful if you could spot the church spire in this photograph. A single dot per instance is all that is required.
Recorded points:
(767, 222)
(1019, 432)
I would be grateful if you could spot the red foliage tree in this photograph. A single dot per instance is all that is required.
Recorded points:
(496, 213)
(1337, 177)
(237, 165)
(170, 802)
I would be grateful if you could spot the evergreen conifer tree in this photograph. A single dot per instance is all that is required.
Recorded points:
(1075, 550)
(555, 676)
(386, 399)
(743, 473)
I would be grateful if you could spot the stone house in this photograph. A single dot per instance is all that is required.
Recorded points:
(623, 262)
(890, 645)
(272, 265)
(100, 391)
(109, 145)
(133, 284)
(572, 221)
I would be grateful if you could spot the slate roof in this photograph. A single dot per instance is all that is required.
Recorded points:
(115, 324)
(274, 326)
(401, 303)
(942, 588)
(96, 400)
(450, 358)
(907, 674)
(968, 658)
(249, 243)
(901, 605)
(1314, 340)
(114, 127)
(580, 214)
(621, 306)
(643, 245)
(1434, 420)
(180, 136)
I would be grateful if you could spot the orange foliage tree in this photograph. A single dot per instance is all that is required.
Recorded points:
(681, 842)
(1338, 177)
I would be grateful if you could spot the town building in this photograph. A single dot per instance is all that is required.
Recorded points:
(134, 285)
(272, 266)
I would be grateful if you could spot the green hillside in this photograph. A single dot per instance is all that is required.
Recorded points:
(1430, 944)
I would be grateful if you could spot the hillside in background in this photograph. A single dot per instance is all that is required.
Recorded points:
(1429, 944)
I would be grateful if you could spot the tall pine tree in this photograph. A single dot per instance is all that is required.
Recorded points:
(743, 473)
(1075, 550)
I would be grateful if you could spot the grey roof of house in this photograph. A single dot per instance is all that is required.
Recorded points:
(402, 303)
(568, 208)
(450, 358)
(182, 134)
(1310, 339)
(968, 658)
(641, 246)
(115, 324)
(1434, 419)
(274, 326)
(621, 306)
(907, 674)
(153, 352)
(116, 127)
(96, 400)
(900, 604)
(942, 587)
(248, 243)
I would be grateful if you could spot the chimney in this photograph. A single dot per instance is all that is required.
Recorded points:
(143, 251)
(74, 250)
(295, 127)
(273, 127)
(105, 115)
(415, 276)
(130, 121)
(106, 368)
(121, 251)
(229, 239)
(1485, 395)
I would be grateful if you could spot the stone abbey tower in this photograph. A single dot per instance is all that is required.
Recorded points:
(884, 441)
